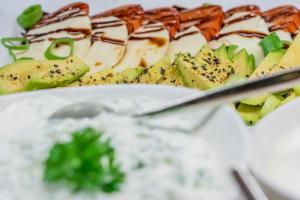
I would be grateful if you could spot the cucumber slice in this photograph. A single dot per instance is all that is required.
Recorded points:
(271, 103)
(256, 101)
(250, 114)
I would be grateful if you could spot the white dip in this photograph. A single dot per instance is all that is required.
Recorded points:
(178, 165)
(283, 163)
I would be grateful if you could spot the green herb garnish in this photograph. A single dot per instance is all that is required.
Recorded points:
(271, 43)
(57, 42)
(86, 163)
(30, 16)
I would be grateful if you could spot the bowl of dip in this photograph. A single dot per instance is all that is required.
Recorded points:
(175, 165)
(275, 150)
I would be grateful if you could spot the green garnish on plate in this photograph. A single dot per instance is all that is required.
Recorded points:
(50, 55)
(271, 43)
(30, 16)
(87, 163)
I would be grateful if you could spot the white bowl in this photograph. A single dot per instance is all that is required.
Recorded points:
(265, 134)
(225, 131)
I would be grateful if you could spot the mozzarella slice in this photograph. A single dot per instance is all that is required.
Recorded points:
(188, 41)
(284, 35)
(145, 47)
(256, 24)
(109, 36)
(41, 37)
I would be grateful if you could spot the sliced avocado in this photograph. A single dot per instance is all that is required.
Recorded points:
(156, 72)
(13, 77)
(291, 97)
(172, 77)
(234, 78)
(106, 77)
(231, 50)
(241, 65)
(57, 73)
(297, 90)
(291, 58)
(256, 101)
(127, 76)
(268, 63)
(218, 67)
(250, 114)
(251, 63)
(270, 104)
(204, 71)
(222, 53)
(31, 74)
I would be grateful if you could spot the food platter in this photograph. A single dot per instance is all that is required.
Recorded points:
(124, 54)
(203, 47)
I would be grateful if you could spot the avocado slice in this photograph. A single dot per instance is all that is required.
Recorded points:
(31, 74)
(196, 74)
(205, 71)
(219, 67)
(172, 77)
(243, 64)
(57, 73)
(222, 53)
(106, 77)
(250, 114)
(291, 58)
(297, 90)
(13, 77)
(291, 97)
(270, 104)
(268, 63)
(234, 78)
(256, 101)
(156, 72)
(231, 50)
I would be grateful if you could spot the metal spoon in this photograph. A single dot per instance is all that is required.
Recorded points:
(212, 98)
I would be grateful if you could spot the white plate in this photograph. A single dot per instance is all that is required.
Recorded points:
(225, 131)
(268, 131)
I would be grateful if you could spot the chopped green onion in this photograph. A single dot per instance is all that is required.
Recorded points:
(30, 16)
(271, 43)
(9, 43)
(66, 41)
(26, 58)
(12, 55)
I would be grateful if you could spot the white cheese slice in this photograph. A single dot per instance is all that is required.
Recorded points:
(145, 47)
(236, 15)
(188, 41)
(110, 37)
(284, 35)
(59, 29)
(256, 24)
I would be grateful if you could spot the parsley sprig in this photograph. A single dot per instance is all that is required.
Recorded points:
(86, 163)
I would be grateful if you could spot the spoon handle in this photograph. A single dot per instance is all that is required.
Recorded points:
(248, 184)
(231, 93)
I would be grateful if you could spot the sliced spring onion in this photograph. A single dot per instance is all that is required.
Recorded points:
(65, 41)
(12, 55)
(30, 16)
(26, 58)
(10, 43)
(271, 43)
